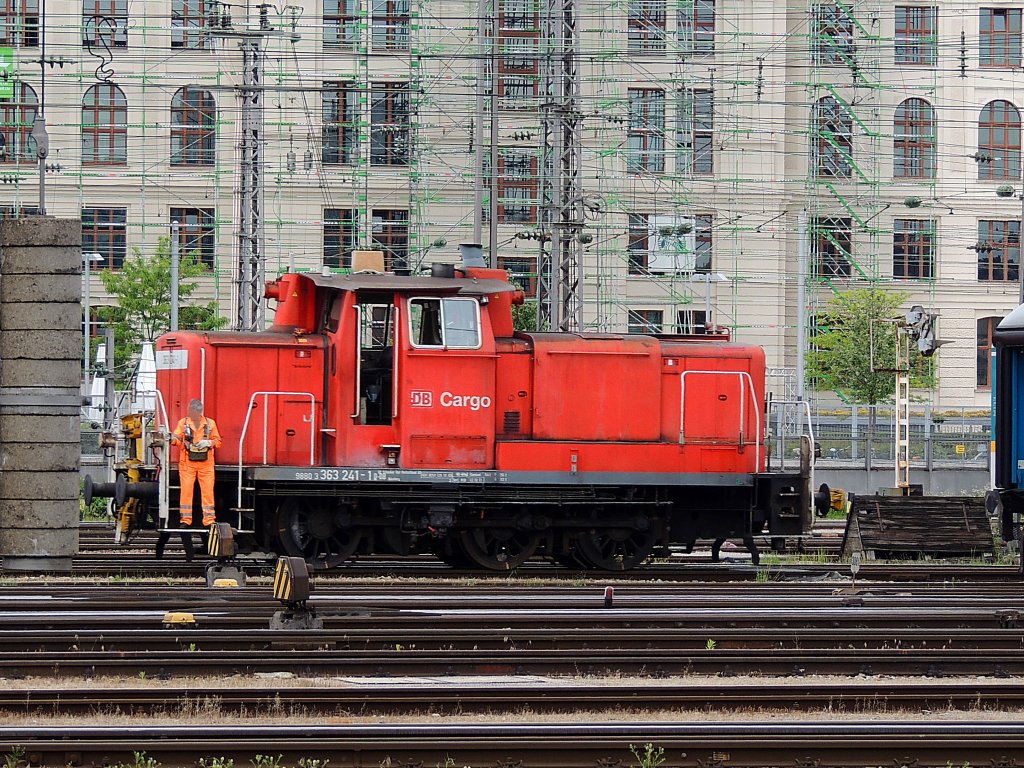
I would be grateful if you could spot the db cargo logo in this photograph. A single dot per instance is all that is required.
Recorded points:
(420, 398)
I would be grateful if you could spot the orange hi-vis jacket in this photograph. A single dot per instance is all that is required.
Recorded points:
(190, 433)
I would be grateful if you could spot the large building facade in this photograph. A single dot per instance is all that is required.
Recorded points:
(705, 127)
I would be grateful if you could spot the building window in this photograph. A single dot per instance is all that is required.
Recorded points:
(105, 22)
(641, 235)
(999, 142)
(389, 124)
(19, 23)
(391, 235)
(340, 122)
(637, 246)
(522, 15)
(104, 126)
(695, 139)
(998, 250)
(644, 320)
(695, 26)
(522, 272)
(341, 23)
(916, 38)
(390, 25)
(1000, 37)
(517, 187)
(831, 34)
(17, 117)
(646, 140)
(831, 246)
(103, 232)
(197, 235)
(914, 140)
(518, 69)
(691, 321)
(11, 212)
(704, 249)
(645, 26)
(340, 232)
(832, 137)
(913, 248)
(189, 22)
(193, 127)
(986, 326)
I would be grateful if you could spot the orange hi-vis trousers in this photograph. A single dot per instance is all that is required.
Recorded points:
(188, 471)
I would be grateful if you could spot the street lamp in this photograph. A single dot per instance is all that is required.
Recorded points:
(87, 259)
(708, 278)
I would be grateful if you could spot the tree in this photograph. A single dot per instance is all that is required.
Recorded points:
(851, 331)
(524, 316)
(142, 288)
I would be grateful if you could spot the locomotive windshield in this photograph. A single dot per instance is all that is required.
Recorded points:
(449, 323)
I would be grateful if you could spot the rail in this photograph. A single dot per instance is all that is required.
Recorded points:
(743, 377)
(266, 395)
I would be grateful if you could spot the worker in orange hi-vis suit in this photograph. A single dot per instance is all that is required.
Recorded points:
(199, 436)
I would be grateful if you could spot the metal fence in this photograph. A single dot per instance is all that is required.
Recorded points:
(945, 438)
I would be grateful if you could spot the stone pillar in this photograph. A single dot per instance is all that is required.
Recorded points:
(40, 395)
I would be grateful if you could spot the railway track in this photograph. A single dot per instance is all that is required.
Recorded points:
(453, 696)
(685, 744)
(425, 629)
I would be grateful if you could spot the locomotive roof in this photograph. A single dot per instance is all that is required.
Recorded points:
(1010, 330)
(374, 281)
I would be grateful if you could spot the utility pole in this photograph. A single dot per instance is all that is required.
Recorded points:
(561, 186)
(250, 309)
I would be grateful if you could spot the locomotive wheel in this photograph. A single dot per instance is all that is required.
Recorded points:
(614, 549)
(311, 530)
(498, 549)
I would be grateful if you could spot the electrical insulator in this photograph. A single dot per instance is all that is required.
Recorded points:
(308, 160)
(291, 161)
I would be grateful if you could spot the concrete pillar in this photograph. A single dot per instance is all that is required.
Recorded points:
(40, 396)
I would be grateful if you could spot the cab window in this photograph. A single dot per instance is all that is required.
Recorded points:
(448, 323)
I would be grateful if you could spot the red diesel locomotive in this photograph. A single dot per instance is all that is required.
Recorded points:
(393, 413)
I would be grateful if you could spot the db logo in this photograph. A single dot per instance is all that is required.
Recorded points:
(421, 398)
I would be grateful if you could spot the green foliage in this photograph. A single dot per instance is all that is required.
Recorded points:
(841, 356)
(267, 761)
(98, 511)
(216, 762)
(142, 288)
(524, 316)
(139, 760)
(15, 758)
(648, 755)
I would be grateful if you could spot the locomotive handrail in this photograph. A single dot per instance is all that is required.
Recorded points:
(163, 490)
(359, 361)
(744, 377)
(806, 406)
(267, 394)
(395, 354)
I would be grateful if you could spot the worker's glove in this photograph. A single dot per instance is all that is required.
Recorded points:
(203, 445)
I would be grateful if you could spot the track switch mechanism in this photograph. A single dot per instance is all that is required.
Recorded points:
(225, 572)
(292, 587)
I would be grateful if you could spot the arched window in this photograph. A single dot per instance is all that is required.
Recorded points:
(984, 365)
(832, 138)
(193, 127)
(914, 140)
(104, 126)
(16, 118)
(999, 141)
